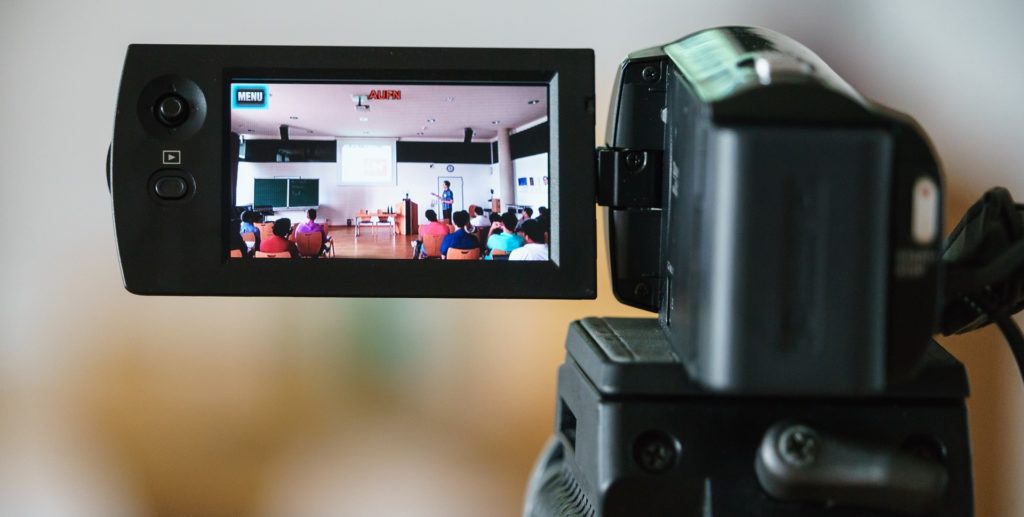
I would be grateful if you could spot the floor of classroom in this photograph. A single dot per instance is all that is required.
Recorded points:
(372, 243)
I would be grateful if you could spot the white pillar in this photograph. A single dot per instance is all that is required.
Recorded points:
(506, 176)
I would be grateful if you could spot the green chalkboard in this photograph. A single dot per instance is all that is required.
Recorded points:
(270, 192)
(304, 193)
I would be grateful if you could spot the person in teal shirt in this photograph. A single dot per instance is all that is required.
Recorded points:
(503, 236)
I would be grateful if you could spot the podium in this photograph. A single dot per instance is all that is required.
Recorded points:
(407, 218)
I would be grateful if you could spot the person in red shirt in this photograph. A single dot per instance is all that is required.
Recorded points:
(279, 243)
(434, 227)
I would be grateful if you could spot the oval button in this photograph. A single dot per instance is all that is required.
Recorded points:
(924, 214)
(171, 187)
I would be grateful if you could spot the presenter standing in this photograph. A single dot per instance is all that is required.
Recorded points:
(447, 200)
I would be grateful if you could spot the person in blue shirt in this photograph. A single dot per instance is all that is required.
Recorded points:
(503, 236)
(461, 239)
(248, 218)
(447, 200)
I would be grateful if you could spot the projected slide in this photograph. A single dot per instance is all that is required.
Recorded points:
(367, 163)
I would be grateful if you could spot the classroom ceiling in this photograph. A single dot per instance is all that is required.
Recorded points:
(430, 112)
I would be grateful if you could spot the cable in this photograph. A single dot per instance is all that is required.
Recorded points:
(1009, 328)
(1014, 338)
(984, 270)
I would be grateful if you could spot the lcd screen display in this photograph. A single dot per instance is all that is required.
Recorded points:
(390, 171)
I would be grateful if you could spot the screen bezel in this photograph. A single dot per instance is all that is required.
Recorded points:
(571, 271)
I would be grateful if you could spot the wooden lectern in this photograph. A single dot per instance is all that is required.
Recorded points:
(407, 218)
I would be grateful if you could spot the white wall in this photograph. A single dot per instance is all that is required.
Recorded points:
(339, 203)
(535, 167)
(420, 180)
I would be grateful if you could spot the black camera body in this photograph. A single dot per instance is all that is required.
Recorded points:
(786, 230)
(787, 233)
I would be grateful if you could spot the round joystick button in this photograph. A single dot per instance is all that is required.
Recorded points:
(172, 110)
(171, 187)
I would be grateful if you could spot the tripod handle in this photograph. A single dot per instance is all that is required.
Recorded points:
(798, 463)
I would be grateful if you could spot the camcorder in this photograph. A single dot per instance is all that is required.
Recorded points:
(786, 232)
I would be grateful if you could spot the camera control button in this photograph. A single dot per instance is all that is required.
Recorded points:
(172, 110)
(924, 215)
(171, 187)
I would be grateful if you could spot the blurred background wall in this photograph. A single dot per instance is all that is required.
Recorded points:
(112, 404)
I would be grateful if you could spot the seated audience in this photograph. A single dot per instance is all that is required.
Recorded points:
(279, 243)
(479, 221)
(503, 236)
(311, 226)
(236, 243)
(462, 239)
(527, 214)
(434, 227)
(494, 217)
(544, 218)
(535, 247)
(248, 219)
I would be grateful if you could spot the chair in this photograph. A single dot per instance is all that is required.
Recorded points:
(432, 246)
(249, 238)
(481, 235)
(365, 218)
(329, 252)
(457, 254)
(387, 220)
(276, 254)
(499, 254)
(310, 244)
(330, 241)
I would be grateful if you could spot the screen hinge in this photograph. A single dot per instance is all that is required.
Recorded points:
(629, 178)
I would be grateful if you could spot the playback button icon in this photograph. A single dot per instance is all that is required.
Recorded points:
(171, 157)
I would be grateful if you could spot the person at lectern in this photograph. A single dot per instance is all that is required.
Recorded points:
(447, 201)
